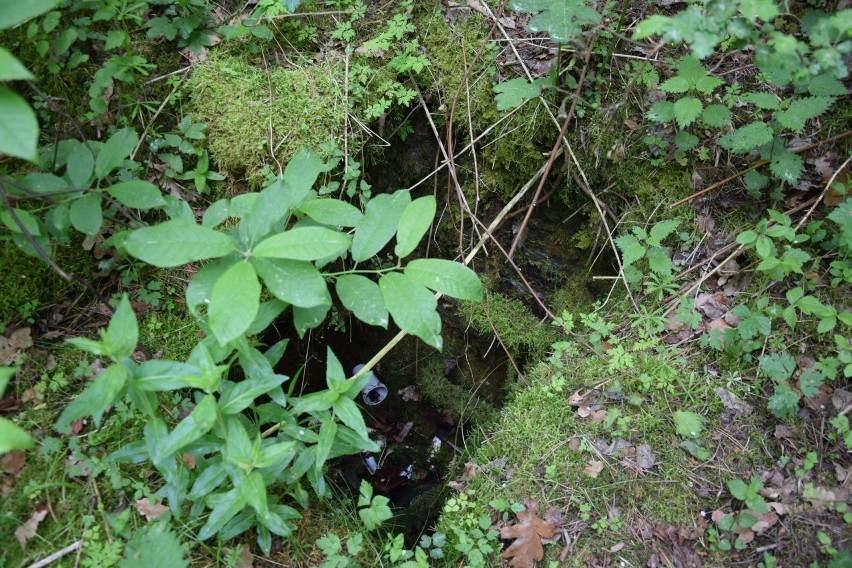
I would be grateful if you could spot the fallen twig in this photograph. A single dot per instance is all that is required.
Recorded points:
(57, 555)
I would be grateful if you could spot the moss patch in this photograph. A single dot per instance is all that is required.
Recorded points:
(241, 103)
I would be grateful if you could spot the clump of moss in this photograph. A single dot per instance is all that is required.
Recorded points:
(520, 331)
(445, 394)
(245, 107)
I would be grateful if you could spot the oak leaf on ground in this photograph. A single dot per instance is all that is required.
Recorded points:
(28, 530)
(528, 532)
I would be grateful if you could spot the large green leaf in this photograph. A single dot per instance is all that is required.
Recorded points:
(11, 69)
(562, 20)
(122, 333)
(303, 243)
(199, 422)
(515, 92)
(114, 151)
(177, 242)
(296, 282)
(105, 391)
(86, 214)
(234, 302)
(445, 276)
(348, 412)
(332, 212)
(362, 296)
(225, 506)
(300, 174)
(15, 12)
(414, 223)
(13, 437)
(18, 126)
(309, 318)
(380, 222)
(241, 395)
(137, 194)
(80, 166)
(412, 306)
(162, 375)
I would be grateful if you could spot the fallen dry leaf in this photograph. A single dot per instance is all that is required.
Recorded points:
(150, 510)
(13, 463)
(470, 470)
(245, 558)
(403, 433)
(409, 394)
(593, 469)
(188, 460)
(528, 532)
(11, 347)
(28, 530)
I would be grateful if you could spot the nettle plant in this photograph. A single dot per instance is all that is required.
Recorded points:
(253, 458)
(801, 61)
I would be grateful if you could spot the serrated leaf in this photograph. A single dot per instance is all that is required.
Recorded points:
(826, 85)
(759, 9)
(687, 110)
(810, 381)
(778, 366)
(676, 84)
(662, 230)
(362, 297)
(659, 261)
(688, 424)
(661, 111)
(114, 151)
(177, 242)
(802, 110)
(716, 116)
(744, 140)
(652, 25)
(153, 545)
(18, 127)
(515, 92)
(294, 281)
(631, 249)
(348, 412)
(787, 166)
(764, 101)
(451, 278)
(685, 140)
(695, 449)
(707, 85)
(562, 20)
(379, 224)
(137, 194)
(234, 302)
(755, 180)
(303, 243)
(784, 403)
(412, 306)
(414, 223)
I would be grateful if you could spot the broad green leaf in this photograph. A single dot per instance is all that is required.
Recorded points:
(810, 381)
(327, 433)
(697, 450)
(270, 207)
(114, 151)
(177, 242)
(685, 140)
(45, 183)
(18, 126)
(102, 393)
(716, 116)
(688, 424)
(303, 243)
(6, 374)
(631, 249)
(826, 86)
(412, 306)
(414, 223)
(294, 281)
(19, 11)
(11, 69)
(115, 38)
(778, 366)
(802, 110)
(199, 422)
(787, 166)
(687, 110)
(225, 506)
(13, 437)
(662, 230)
(86, 214)
(300, 174)
(380, 222)
(451, 278)
(349, 413)
(661, 111)
(515, 92)
(362, 297)
(29, 221)
(762, 9)
(211, 478)
(122, 333)
(784, 403)
(562, 20)
(335, 376)
(80, 166)
(242, 394)
(253, 490)
(755, 181)
(234, 302)
(677, 84)
(309, 318)
(744, 140)
(764, 101)
(161, 375)
(266, 314)
(652, 25)
(137, 194)
(332, 212)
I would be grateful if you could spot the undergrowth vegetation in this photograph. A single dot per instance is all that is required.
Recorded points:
(622, 258)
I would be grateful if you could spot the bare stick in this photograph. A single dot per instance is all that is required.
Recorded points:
(822, 195)
(57, 555)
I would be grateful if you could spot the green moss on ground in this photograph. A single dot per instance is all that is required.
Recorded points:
(245, 107)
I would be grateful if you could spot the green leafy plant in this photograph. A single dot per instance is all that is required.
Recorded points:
(12, 437)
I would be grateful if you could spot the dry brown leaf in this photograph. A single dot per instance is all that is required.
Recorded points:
(593, 469)
(188, 460)
(403, 433)
(470, 469)
(150, 510)
(528, 532)
(28, 530)
(11, 347)
(246, 558)
(409, 394)
(598, 415)
(13, 463)
(574, 443)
